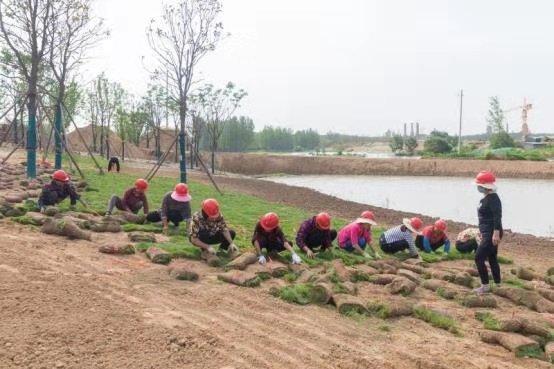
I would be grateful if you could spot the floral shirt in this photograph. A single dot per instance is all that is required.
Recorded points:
(201, 223)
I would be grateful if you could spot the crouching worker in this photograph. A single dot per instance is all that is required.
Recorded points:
(133, 200)
(316, 234)
(209, 228)
(268, 235)
(401, 238)
(175, 208)
(433, 237)
(356, 236)
(58, 190)
(468, 240)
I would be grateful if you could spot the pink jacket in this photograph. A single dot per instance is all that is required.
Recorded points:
(351, 233)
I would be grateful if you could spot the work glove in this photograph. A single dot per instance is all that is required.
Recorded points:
(261, 259)
(211, 250)
(296, 259)
(367, 256)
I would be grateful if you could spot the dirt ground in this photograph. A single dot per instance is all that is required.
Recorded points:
(265, 164)
(65, 305)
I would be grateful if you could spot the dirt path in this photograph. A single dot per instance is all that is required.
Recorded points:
(67, 306)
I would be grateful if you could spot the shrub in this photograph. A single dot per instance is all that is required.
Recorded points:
(501, 139)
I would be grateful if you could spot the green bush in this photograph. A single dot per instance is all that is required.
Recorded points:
(501, 139)
(437, 145)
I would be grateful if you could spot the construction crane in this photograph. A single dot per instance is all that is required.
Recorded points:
(524, 114)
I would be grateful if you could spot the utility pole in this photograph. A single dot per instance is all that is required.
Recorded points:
(460, 130)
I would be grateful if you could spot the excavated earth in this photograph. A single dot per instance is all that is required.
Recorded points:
(65, 305)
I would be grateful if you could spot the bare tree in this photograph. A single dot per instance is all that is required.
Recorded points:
(180, 38)
(217, 107)
(155, 101)
(73, 31)
(25, 28)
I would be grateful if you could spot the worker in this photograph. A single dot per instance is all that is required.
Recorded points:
(175, 208)
(133, 199)
(316, 234)
(58, 190)
(209, 228)
(490, 226)
(268, 235)
(113, 164)
(356, 236)
(401, 237)
(433, 237)
(468, 240)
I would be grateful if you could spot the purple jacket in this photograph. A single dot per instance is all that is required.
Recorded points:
(309, 227)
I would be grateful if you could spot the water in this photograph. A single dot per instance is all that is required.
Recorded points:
(528, 205)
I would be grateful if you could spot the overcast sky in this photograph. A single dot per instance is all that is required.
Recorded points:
(362, 66)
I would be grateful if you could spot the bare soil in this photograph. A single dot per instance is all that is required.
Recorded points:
(65, 305)
(263, 164)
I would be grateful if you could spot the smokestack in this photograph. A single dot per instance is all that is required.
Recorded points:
(405, 130)
(412, 129)
(417, 130)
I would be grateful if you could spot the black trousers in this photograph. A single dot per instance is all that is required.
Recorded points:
(466, 247)
(113, 162)
(117, 202)
(487, 251)
(218, 238)
(174, 217)
(393, 247)
(315, 240)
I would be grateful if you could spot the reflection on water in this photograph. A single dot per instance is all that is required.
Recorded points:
(528, 205)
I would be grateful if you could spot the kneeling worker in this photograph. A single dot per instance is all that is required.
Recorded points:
(316, 233)
(268, 235)
(209, 228)
(175, 208)
(58, 190)
(468, 240)
(133, 199)
(433, 237)
(356, 236)
(401, 238)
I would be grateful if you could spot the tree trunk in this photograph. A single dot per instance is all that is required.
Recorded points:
(182, 142)
(58, 135)
(122, 150)
(32, 129)
(108, 142)
(102, 139)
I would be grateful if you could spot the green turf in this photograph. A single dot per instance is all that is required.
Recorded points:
(488, 319)
(297, 293)
(437, 319)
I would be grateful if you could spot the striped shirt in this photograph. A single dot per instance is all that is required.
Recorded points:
(401, 233)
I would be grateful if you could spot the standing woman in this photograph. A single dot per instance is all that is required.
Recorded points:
(490, 226)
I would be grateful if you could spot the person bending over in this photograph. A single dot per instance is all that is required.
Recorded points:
(133, 200)
(433, 237)
(58, 190)
(468, 240)
(356, 236)
(268, 235)
(401, 238)
(175, 208)
(315, 234)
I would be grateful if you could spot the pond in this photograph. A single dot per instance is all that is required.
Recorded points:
(528, 204)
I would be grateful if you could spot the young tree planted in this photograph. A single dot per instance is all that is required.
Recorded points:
(179, 39)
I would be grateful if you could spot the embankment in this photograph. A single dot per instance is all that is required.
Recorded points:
(262, 164)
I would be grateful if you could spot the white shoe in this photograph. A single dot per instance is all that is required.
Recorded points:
(482, 290)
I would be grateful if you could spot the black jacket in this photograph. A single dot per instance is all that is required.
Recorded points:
(490, 213)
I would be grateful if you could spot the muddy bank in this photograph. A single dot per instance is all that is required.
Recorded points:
(261, 164)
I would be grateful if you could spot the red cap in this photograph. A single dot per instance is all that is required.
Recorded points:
(368, 215)
(141, 184)
(181, 189)
(61, 176)
(440, 225)
(485, 179)
(269, 222)
(210, 207)
(323, 221)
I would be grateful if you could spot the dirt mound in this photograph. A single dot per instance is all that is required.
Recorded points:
(131, 150)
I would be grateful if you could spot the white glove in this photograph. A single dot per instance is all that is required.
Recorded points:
(261, 259)
(211, 250)
(366, 255)
(233, 248)
(296, 259)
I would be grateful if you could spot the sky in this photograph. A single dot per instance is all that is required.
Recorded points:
(361, 66)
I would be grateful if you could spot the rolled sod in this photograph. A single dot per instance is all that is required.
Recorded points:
(544, 292)
(158, 256)
(390, 309)
(549, 351)
(242, 261)
(240, 278)
(142, 237)
(363, 272)
(321, 293)
(343, 272)
(527, 274)
(434, 284)
(306, 277)
(347, 304)
(530, 299)
(183, 272)
(382, 279)
(106, 227)
(277, 269)
(117, 249)
(412, 276)
(132, 218)
(463, 279)
(516, 343)
(414, 268)
(62, 227)
(385, 266)
(474, 301)
(401, 285)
